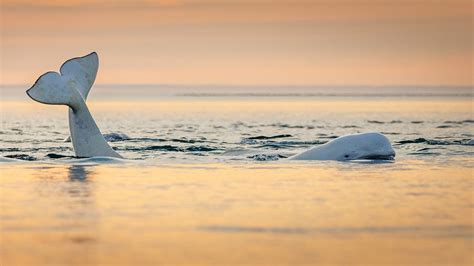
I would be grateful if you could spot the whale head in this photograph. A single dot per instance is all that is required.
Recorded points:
(368, 146)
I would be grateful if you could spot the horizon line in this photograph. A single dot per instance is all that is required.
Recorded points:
(216, 85)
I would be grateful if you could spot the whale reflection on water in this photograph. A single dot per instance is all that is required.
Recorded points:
(78, 173)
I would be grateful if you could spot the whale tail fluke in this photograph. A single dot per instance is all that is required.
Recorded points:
(71, 87)
(72, 83)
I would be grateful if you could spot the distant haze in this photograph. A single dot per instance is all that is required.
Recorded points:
(243, 42)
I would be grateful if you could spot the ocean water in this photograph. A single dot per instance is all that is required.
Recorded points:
(181, 125)
(206, 179)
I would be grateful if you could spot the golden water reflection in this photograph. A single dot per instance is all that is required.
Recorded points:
(407, 212)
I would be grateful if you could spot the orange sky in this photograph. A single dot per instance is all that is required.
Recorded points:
(239, 42)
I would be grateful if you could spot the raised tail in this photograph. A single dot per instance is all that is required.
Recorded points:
(71, 87)
(77, 75)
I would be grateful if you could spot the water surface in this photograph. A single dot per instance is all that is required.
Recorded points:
(88, 213)
(206, 181)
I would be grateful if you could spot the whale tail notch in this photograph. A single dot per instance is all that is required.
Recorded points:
(74, 81)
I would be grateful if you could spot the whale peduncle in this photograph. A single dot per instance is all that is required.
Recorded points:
(86, 137)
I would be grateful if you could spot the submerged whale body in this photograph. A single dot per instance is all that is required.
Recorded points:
(70, 87)
(370, 146)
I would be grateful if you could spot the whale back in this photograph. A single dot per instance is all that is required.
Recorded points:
(351, 147)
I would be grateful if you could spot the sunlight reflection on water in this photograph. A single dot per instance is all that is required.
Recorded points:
(289, 213)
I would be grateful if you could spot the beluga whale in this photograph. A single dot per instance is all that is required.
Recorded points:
(71, 87)
(363, 146)
(76, 76)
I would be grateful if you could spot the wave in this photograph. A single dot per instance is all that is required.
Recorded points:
(281, 144)
(22, 156)
(280, 125)
(181, 140)
(266, 157)
(172, 148)
(258, 139)
(60, 156)
(467, 121)
(289, 144)
(272, 137)
(9, 149)
(110, 137)
(37, 149)
(375, 122)
(468, 142)
(392, 122)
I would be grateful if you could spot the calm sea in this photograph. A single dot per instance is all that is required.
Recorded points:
(206, 179)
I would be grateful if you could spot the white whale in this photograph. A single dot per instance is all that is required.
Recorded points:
(70, 87)
(351, 147)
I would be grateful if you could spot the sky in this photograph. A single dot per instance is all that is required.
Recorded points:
(243, 42)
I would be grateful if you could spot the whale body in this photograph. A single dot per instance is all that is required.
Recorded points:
(370, 146)
(70, 87)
